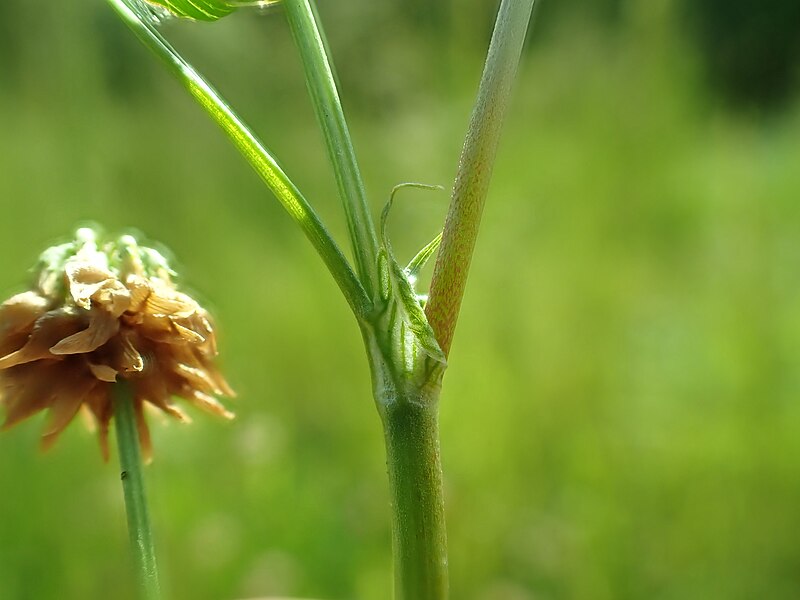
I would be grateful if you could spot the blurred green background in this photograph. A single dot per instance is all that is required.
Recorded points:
(621, 418)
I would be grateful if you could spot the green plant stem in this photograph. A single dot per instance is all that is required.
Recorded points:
(254, 151)
(130, 459)
(311, 43)
(475, 169)
(419, 540)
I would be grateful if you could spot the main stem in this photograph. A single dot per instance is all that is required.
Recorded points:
(419, 540)
(130, 460)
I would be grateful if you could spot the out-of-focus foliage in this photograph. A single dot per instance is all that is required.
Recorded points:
(621, 418)
(751, 49)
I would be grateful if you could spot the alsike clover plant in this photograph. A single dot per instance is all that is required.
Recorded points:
(407, 334)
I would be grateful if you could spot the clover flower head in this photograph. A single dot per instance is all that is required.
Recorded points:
(100, 313)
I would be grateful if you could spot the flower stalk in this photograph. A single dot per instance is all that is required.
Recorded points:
(130, 460)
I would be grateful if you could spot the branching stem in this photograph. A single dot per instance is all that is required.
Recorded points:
(475, 169)
(408, 408)
(312, 46)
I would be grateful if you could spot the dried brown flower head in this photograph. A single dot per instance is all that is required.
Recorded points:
(98, 314)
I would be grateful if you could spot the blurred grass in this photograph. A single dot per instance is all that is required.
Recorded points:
(621, 415)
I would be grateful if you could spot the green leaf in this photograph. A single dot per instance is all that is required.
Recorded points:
(422, 257)
(413, 313)
(405, 296)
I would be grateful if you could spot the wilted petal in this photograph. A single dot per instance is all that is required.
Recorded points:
(127, 356)
(165, 404)
(153, 389)
(121, 353)
(113, 297)
(87, 417)
(139, 290)
(68, 397)
(17, 316)
(168, 303)
(223, 387)
(49, 329)
(99, 402)
(198, 378)
(207, 403)
(101, 327)
(25, 392)
(198, 323)
(19, 312)
(157, 329)
(178, 358)
(103, 372)
(186, 335)
(85, 279)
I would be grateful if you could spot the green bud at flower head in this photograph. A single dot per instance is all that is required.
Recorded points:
(121, 257)
(206, 10)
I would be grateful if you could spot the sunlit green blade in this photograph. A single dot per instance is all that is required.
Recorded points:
(201, 10)
(422, 257)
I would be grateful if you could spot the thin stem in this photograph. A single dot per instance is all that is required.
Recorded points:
(311, 43)
(475, 169)
(419, 540)
(130, 461)
(253, 150)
